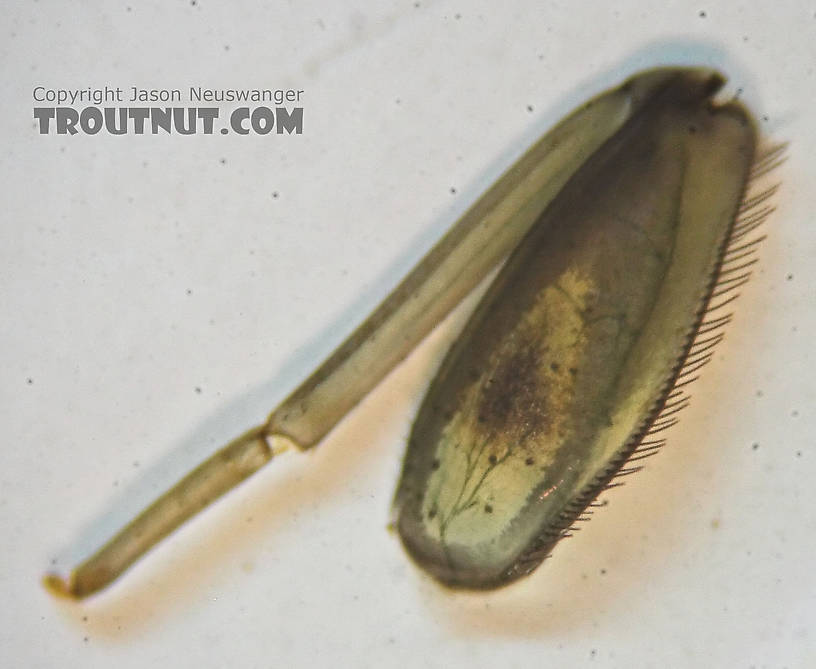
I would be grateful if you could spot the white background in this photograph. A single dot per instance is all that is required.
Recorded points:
(157, 300)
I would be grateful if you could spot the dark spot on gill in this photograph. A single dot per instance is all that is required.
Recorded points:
(514, 401)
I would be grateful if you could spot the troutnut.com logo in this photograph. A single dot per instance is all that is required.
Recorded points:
(91, 111)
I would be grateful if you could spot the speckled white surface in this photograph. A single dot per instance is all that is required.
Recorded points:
(161, 294)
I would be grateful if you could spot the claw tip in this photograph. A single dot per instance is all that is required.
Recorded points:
(58, 586)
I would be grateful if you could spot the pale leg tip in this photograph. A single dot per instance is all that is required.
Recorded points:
(58, 586)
